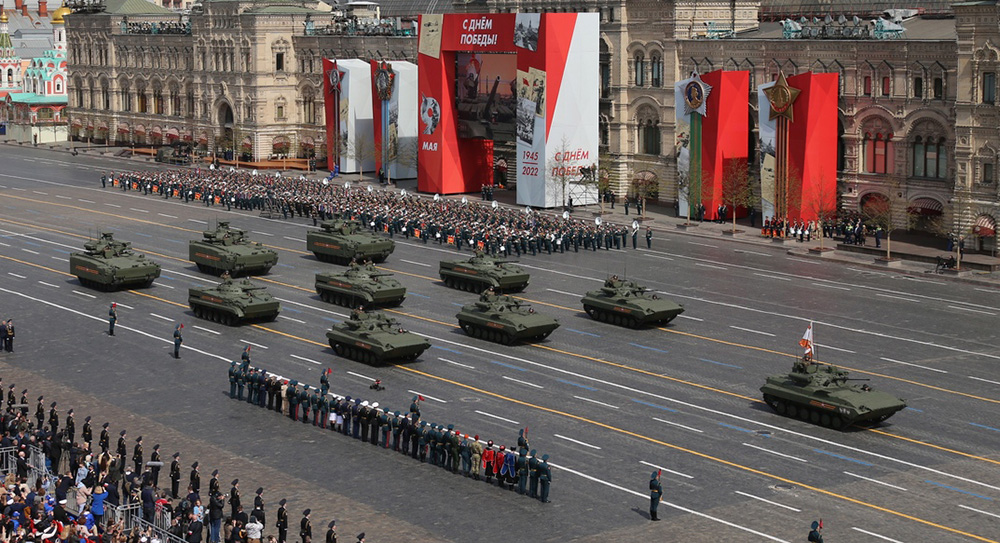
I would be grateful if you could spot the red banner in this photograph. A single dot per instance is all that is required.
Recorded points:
(812, 147)
(724, 132)
(331, 107)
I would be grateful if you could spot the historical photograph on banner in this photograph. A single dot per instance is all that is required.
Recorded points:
(430, 34)
(526, 30)
(526, 120)
(343, 123)
(537, 93)
(393, 126)
(768, 134)
(484, 96)
(682, 149)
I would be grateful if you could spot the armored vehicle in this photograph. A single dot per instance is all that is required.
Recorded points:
(227, 249)
(825, 395)
(503, 319)
(374, 338)
(108, 264)
(341, 241)
(233, 302)
(482, 272)
(627, 303)
(360, 285)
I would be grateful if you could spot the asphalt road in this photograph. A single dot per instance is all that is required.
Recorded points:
(608, 404)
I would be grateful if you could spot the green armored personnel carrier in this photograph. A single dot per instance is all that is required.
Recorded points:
(360, 285)
(825, 395)
(374, 338)
(233, 302)
(627, 303)
(502, 319)
(227, 249)
(341, 241)
(108, 264)
(482, 272)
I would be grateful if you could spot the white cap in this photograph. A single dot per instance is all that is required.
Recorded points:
(364, 402)
(375, 404)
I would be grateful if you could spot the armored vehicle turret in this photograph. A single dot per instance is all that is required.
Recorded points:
(108, 264)
(503, 319)
(227, 249)
(374, 338)
(341, 241)
(825, 395)
(360, 285)
(233, 302)
(627, 303)
(482, 272)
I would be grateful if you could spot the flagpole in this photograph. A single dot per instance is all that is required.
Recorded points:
(813, 340)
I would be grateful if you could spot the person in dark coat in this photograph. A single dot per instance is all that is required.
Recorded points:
(194, 530)
(655, 491)
(305, 527)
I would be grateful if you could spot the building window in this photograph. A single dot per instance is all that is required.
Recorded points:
(649, 133)
(79, 97)
(640, 70)
(987, 173)
(868, 85)
(279, 62)
(918, 87)
(938, 88)
(142, 102)
(656, 69)
(309, 110)
(45, 114)
(878, 149)
(886, 86)
(279, 112)
(989, 87)
(930, 158)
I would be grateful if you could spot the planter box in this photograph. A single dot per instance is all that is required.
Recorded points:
(731, 233)
(683, 226)
(825, 251)
(958, 272)
(889, 262)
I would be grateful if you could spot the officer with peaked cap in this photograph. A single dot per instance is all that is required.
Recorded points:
(282, 522)
(70, 426)
(53, 417)
(233, 371)
(331, 532)
(213, 483)
(175, 475)
(234, 497)
(305, 527)
(655, 492)
(105, 440)
(258, 505)
(195, 478)
(137, 454)
(155, 470)
(544, 477)
(87, 434)
(39, 412)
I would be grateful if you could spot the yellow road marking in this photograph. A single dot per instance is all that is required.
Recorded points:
(164, 300)
(46, 268)
(933, 446)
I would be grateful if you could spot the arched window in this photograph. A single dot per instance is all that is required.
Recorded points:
(10, 75)
(605, 60)
(640, 69)
(648, 125)
(929, 153)
(656, 71)
(877, 147)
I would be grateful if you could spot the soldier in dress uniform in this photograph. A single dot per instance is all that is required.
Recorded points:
(324, 381)
(178, 340)
(175, 475)
(234, 497)
(305, 527)
(195, 480)
(121, 451)
(232, 379)
(258, 505)
(282, 523)
(87, 434)
(39, 412)
(245, 358)
(522, 441)
(213, 483)
(70, 427)
(521, 468)
(533, 475)
(476, 451)
(105, 440)
(155, 470)
(655, 491)
(53, 416)
(137, 455)
(544, 478)
(112, 318)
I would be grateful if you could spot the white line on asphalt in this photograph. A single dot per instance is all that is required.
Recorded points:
(48, 284)
(457, 363)
(679, 425)
(753, 331)
(283, 300)
(563, 292)
(829, 286)
(261, 233)
(772, 276)
(60, 196)
(992, 290)
(978, 511)
(668, 504)
(898, 298)
(361, 376)
(751, 252)
(492, 416)
(911, 364)
(658, 256)
(972, 310)
(783, 455)
(985, 380)
(86, 201)
(710, 266)
(40, 192)
(139, 210)
(703, 244)
(121, 304)
(415, 263)
(524, 382)
(685, 475)
(164, 286)
(61, 259)
(18, 188)
(294, 239)
(252, 343)
(291, 319)
(5, 244)
(112, 205)
(306, 359)
(157, 316)
(873, 534)
(30, 251)
(168, 216)
(835, 348)
(16, 275)
(84, 294)
(205, 329)
(768, 501)
(577, 442)
(804, 261)
(197, 221)
(876, 481)
(691, 318)
(530, 267)
(426, 396)
(595, 401)
(188, 275)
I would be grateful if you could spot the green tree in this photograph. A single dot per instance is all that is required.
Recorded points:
(737, 188)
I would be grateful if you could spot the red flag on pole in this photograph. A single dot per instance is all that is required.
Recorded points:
(807, 342)
(419, 397)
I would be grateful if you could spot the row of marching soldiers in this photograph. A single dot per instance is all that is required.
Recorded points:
(513, 467)
(779, 228)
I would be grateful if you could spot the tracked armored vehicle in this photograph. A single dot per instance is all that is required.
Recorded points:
(374, 338)
(108, 264)
(341, 241)
(234, 302)
(227, 249)
(482, 272)
(360, 285)
(825, 395)
(502, 319)
(627, 303)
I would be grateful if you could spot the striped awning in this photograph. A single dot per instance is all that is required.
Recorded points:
(985, 226)
(926, 206)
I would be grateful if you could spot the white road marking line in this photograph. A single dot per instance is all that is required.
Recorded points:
(524, 382)
(112, 205)
(40, 192)
(563, 292)
(751, 252)
(16, 275)
(873, 534)
(168, 216)
(291, 319)
(972, 310)
(993, 290)
(164, 286)
(361, 376)
(876, 481)
(205, 329)
(783, 455)
(804, 261)
(835, 348)
(49, 284)
(691, 318)
(60, 196)
(577, 442)
(304, 358)
(182, 274)
(492, 416)
(772, 276)
(85, 201)
(252, 343)
(261, 233)
(829, 286)
(597, 402)
(680, 425)
(898, 298)
(30, 251)
(985, 380)
(160, 317)
(59, 258)
(197, 221)
(753, 331)
(710, 266)
(6, 245)
(685, 475)
(119, 303)
(294, 239)
(285, 301)
(84, 294)
(456, 363)
(703, 244)
(530, 267)
(18, 188)
(426, 396)
(415, 263)
(658, 256)
(912, 364)
(768, 501)
(978, 511)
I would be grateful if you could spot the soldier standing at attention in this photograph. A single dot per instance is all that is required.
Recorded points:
(53, 418)
(544, 477)
(476, 448)
(178, 340)
(105, 441)
(241, 377)
(245, 358)
(324, 382)
(155, 457)
(331, 532)
(234, 497)
(258, 505)
(282, 522)
(39, 411)
(213, 483)
(305, 527)
(112, 318)
(655, 491)
(70, 427)
(521, 467)
(195, 478)
(175, 475)
(232, 380)
(87, 434)
(649, 238)
(137, 454)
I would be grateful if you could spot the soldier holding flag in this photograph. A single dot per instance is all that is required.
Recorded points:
(816, 533)
(655, 491)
